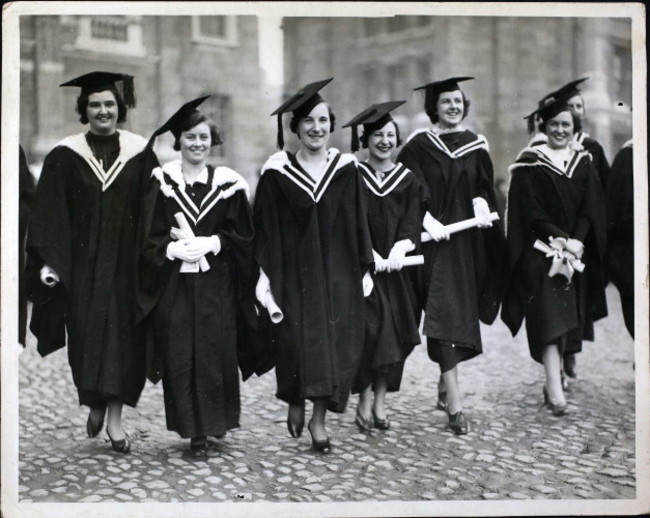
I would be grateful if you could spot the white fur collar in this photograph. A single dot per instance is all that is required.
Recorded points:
(130, 145)
(278, 160)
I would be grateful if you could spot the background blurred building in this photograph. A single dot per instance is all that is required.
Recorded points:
(173, 58)
(515, 61)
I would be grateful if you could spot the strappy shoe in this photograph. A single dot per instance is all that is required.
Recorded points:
(320, 446)
(363, 423)
(121, 446)
(558, 409)
(379, 422)
(458, 424)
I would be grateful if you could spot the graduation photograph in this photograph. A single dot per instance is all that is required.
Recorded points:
(328, 259)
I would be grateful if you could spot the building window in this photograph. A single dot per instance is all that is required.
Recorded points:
(111, 35)
(214, 30)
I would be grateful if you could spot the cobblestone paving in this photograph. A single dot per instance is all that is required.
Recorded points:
(516, 450)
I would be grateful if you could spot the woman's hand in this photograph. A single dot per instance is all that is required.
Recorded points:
(397, 254)
(367, 284)
(200, 246)
(178, 250)
(49, 277)
(434, 228)
(482, 212)
(575, 247)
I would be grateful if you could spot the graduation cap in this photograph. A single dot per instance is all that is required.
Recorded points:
(175, 123)
(446, 85)
(302, 103)
(373, 117)
(100, 81)
(562, 94)
(551, 106)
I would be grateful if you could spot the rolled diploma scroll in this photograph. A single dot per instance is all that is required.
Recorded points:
(559, 255)
(452, 228)
(188, 234)
(271, 306)
(412, 260)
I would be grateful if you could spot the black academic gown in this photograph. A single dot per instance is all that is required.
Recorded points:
(312, 241)
(84, 226)
(26, 197)
(463, 277)
(547, 201)
(599, 160)
(193, 318)
(394, 214)
(620, 230)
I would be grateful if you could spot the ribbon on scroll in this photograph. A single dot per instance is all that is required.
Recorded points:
(563, 262)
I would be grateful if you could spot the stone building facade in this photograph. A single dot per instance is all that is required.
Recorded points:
(173, 58)
(515, 61)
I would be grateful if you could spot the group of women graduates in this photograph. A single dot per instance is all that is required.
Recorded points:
(166, 271)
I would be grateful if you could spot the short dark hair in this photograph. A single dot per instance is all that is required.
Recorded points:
(577, 125)
(370, 129)
(82, 103)
(431, 105)
(293, 123)
(192, 120)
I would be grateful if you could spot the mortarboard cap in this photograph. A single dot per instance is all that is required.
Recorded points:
(562, 94)
(303, 102)
(99, 81)
(374, 116)
(551, 106)
(175, 123)
(447, 85)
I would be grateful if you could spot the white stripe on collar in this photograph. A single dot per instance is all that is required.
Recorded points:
(130, 145)
(335, 160)
(544, 160)
(386, 185)
(479, 142)
(221, 176)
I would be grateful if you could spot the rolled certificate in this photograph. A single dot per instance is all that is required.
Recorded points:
(452, 228)
(413, 260)
(188, 234)
(274, 310)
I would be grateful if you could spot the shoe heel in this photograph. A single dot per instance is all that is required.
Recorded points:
(319, 446)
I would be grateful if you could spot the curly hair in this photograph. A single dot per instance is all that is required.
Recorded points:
(431, 105)
(577, 125)
(369, 129)
(82, 102)
(194, 119)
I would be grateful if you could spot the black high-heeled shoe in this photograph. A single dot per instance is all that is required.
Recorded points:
(199, 445)
(381, 423)
(458, 424)
(320, 446)
(121, 446)
(363, 423)
(92, 427)
(557, 409)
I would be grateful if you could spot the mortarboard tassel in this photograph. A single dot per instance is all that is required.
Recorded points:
(354, 143)
(128, 91)
(280, 132)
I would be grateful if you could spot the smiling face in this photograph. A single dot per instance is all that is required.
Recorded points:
(450, 107)
(382, 142)
(559, 130)
(195, 144)
(102, 112)
(314, 129)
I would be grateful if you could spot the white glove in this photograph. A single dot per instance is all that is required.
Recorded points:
(263, 287)
(482, 212)
(397, 253)
(575, 247)
(367, 284)
(200, 246)
(380, 262)
(178, 250)
(49, 277)
(435, 229)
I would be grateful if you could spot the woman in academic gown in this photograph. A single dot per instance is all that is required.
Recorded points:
(313, 247)
(462, 274)
(196, 264)
(555, 198)
(395, 200)
(81, 250)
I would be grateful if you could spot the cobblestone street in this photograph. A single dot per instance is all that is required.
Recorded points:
(517, 450)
